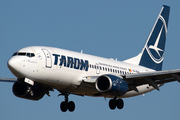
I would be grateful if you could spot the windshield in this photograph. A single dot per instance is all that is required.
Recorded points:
(24, 54)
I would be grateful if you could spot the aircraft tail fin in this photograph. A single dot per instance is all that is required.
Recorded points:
(152, 54)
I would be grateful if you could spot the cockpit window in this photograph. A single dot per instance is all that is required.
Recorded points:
(21, 53)
(15, 54)
(30, 54)
(24, 54)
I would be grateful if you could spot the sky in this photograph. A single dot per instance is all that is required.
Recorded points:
(110, 29)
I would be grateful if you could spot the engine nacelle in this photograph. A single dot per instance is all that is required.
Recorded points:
(110, 84)
(23, 90)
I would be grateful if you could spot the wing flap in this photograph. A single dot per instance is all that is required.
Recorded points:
(153, 78)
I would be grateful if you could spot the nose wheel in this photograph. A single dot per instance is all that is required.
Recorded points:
(113, 103)
(65, 105)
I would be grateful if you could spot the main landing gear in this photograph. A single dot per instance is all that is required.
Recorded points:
(65, 105)
(113, 103)
(70, 105)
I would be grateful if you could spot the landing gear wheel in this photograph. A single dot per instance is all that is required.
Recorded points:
(120, 103)
(63, 106)
(112, 104)
(71, 106)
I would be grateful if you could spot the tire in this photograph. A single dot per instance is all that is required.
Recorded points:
(112, 104)
(63, 106)
(71, 106)
(120, 103)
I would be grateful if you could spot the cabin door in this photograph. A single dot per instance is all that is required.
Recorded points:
(48, 60)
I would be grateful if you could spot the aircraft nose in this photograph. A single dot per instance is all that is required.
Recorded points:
(14, 64)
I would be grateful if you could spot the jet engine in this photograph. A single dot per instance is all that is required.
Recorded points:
(111, 84)
(24, 90)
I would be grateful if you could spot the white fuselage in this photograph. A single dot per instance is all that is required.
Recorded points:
(65, 70)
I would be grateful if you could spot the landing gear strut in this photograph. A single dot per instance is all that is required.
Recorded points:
(113, 103)
(65, 105)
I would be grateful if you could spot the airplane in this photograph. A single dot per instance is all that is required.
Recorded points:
(40, 69)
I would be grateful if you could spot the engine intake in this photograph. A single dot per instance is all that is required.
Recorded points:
(26, 91)
(111, 84)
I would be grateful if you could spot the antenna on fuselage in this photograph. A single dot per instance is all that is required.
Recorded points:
(81, 51)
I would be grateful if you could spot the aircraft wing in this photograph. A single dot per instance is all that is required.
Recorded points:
(153, 78)
(8, 79)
